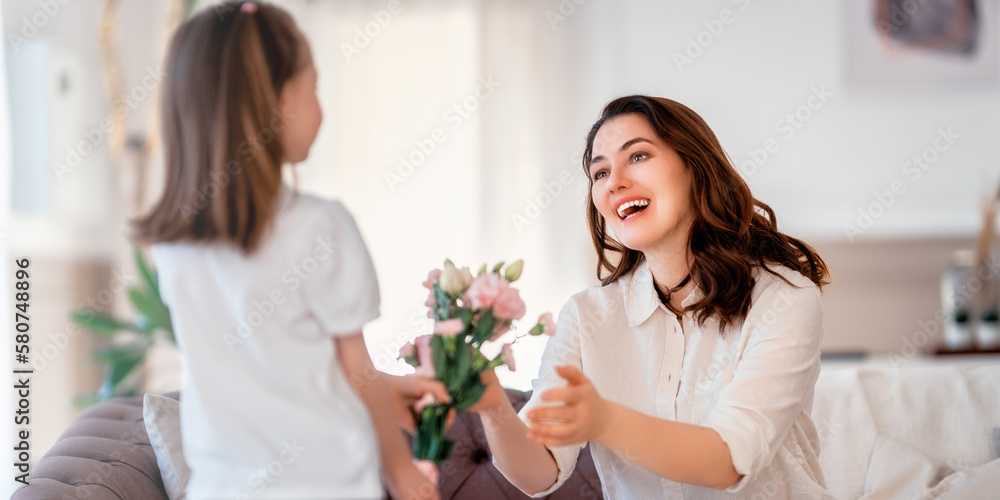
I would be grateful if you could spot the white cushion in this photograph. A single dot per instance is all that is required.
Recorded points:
(163, 425)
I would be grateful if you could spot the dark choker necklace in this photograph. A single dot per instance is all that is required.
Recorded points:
(665, 298)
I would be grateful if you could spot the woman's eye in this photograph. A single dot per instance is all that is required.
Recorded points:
(600, 174)
(639, 156)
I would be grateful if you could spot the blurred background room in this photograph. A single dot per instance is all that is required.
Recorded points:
(455, 128)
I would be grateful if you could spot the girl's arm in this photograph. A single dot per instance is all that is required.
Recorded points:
(681, 452)
(372, 386)
(527, 464)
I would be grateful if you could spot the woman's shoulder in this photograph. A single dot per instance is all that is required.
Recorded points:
(782, 284)
(597, 299)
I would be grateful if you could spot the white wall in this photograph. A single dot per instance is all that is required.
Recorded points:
(764, 65)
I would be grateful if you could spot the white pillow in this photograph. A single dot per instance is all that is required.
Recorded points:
(163, 425)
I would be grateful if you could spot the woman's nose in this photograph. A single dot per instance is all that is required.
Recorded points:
(617, 180)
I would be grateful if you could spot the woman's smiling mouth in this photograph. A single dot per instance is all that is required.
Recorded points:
(630, 207)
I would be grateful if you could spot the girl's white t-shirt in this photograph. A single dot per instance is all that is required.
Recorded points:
(266, 409)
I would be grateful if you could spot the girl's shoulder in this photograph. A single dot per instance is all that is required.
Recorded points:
(307, 210)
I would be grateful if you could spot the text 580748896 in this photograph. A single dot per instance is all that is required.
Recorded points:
(22, 375)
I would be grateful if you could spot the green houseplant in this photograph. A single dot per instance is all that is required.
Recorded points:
(127, 341)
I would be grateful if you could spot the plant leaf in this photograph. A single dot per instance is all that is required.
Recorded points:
(149, 276)
(154, 314)
(498, 267)
(99, 324)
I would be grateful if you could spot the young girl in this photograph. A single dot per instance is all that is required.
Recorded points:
(691, 370)
(268, 289)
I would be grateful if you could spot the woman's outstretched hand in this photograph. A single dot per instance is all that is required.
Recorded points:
(583, 415)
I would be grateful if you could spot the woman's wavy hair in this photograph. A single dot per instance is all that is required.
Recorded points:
(225, 69)
(732, 231)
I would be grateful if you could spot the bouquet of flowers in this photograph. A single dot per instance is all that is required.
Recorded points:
(467, 311)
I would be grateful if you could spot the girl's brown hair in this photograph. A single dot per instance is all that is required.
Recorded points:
(732, 231)
(225, 69)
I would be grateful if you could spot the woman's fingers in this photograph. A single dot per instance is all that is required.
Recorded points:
(557, 413)
(552, 434)
(572, 374)
(566, 395)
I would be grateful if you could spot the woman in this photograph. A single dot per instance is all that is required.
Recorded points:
(691, 369)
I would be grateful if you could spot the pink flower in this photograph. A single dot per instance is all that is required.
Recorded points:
(483, 291)
(508, 305)
(508, 357)
(432, 278)
(548, 324)
(449, 327)
(424, 356)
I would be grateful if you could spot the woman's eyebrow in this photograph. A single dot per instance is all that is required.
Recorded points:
(622, 148)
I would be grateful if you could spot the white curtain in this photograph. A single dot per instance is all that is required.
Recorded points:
(447, 134)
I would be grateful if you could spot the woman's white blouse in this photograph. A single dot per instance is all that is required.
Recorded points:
(754, 386)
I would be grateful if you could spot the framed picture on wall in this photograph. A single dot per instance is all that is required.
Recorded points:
(913, 43)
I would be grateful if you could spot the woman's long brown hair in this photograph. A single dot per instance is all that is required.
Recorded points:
(225, 69)
(732, 232)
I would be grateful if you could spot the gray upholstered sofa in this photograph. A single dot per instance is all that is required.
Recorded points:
(105, 455)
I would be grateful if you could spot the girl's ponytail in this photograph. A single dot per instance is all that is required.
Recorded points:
(221, 122)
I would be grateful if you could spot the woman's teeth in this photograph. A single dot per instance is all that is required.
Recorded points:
(624, 209)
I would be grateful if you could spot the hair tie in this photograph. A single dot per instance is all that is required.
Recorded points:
(248, 7)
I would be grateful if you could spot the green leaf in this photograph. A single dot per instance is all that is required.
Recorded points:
(463, 363)
(471, 395)
(498, 267)
(99, 324)
(484, 328)
(149, 276)
(440, 358)
(121, 361)
(153, 313)
(538, 329)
